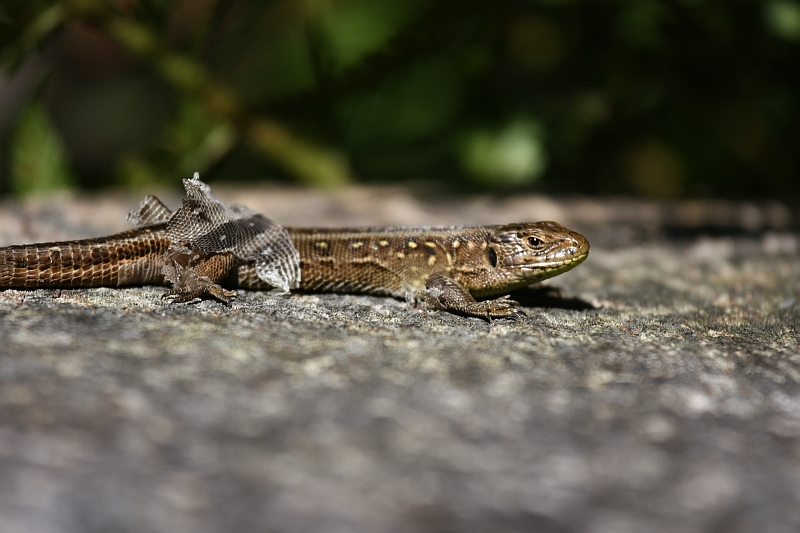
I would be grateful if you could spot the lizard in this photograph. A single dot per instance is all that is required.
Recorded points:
(444, 268)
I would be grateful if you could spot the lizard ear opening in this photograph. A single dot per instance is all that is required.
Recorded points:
(492, 257)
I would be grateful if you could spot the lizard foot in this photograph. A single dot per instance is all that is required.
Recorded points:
(194, 275)
(502, 307)
(200, 288)
(447, 294)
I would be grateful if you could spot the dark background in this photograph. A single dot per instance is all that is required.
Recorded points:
(658, 98)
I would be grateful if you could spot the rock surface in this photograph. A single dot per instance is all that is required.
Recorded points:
(657, 391)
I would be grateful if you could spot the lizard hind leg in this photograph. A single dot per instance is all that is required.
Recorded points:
(445, 293)
(196, 275)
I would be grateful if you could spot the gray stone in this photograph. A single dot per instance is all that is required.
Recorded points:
(658, 392)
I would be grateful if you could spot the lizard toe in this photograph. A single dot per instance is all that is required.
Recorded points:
(204, 291)
(175, 296)
(504, 308)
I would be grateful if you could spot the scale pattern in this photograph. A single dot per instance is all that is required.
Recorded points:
(129, 258)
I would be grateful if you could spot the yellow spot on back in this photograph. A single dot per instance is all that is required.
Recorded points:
(430, 244)
(383, 242)
(456, 243)
(412, 244)
(432, 260)
(357, 244)
(400, 255)
(321, 244)
(470, 245)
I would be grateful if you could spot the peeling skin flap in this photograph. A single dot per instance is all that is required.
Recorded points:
(151, 212)
(204, 223)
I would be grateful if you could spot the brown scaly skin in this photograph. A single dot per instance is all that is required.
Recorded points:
(445, 268)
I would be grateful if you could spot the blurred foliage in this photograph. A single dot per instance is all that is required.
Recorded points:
(662, 98)
(37, 153)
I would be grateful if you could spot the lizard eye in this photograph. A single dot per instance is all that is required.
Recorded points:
(533, 242)
(492, 257)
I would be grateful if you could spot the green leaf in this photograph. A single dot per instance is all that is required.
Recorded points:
(783, 19)
(512, 156)
(38, 159)
(358, 28)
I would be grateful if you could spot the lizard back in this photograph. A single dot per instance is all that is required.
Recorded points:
(385, 261)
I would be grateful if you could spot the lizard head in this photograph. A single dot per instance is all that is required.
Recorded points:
(529, 252)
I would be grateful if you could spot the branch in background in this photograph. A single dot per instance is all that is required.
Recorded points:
(312, 164)
(42, 26)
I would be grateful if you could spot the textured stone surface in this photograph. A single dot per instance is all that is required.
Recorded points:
(661, 392)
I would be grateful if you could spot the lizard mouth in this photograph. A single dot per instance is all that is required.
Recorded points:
(564, 264)
(559, 259)
(543, 270)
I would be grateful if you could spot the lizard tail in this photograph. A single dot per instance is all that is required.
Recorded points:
(132, 257)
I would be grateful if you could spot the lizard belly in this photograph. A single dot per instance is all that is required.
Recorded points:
(364, 275)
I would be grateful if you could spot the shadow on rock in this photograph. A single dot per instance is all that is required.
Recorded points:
(549, 297)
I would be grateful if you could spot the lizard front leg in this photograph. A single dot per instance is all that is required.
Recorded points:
(445, 293)
(195, 274)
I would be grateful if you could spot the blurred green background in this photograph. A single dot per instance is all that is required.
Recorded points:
(658, 98)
